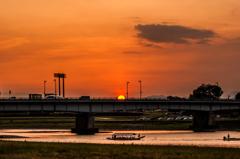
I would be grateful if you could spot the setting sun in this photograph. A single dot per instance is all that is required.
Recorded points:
(121, 97)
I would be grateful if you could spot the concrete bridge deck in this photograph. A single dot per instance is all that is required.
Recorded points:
(91, 106)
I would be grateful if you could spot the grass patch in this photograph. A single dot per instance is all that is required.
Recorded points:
(37, 123)
(11, 149)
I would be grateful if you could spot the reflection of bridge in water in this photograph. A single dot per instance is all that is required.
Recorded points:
(203, 111)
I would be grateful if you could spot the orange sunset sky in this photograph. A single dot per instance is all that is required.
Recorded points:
(171, 46)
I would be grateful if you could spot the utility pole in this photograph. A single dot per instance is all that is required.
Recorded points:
(140, 89)
(44, 89)
(55, 88)
(127, 90)
(63, 87)
(59, 85)
(60, 75)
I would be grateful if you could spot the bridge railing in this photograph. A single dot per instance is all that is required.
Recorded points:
(113, 99)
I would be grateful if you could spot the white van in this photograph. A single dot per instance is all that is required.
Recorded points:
(53, 97)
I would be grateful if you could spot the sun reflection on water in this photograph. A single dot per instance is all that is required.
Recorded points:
(182, 138)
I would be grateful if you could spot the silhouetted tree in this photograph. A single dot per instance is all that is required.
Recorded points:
(206, 92)
(237, 96)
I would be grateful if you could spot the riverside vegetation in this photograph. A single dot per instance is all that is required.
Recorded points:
(12, 149)
(106, 122)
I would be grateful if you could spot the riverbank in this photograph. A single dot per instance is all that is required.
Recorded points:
(109, 123)
(11, 149)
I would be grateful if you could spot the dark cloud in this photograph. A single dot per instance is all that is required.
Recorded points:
(131, 52)
(172, 33)
(150, 45)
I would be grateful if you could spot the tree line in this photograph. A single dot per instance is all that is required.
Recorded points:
(205, 92)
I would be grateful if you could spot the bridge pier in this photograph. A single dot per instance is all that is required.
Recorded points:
(84, 124)
(203, 121)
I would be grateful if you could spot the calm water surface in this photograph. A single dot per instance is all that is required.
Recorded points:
(184, 138)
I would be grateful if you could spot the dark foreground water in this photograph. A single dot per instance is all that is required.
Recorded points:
(184, 138)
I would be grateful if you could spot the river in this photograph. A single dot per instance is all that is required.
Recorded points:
(181, 138)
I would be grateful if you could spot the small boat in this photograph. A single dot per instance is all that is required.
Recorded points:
(125, 136)
(230, 139)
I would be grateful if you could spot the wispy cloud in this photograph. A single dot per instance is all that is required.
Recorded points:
(203, 41)
(150, 45)
(12, 42)
(131, 52)
(136, 19)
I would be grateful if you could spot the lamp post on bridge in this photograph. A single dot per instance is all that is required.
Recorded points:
(9, 93)
(127, 90)
(44, 89)
(140, 89)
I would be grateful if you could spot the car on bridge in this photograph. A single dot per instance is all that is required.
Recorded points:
(53, 97)
(170, 118)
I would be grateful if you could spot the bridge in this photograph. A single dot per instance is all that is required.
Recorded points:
(203, 111)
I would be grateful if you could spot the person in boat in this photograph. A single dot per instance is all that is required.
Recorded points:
(113, 136)
(138, 135)
(228, 136)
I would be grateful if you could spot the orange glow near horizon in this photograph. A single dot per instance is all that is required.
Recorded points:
(121, 97)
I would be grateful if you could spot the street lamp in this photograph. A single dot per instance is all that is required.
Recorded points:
(127, 90)
(44, 89)
(140, 89)
(55, 88)
(10, 93)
